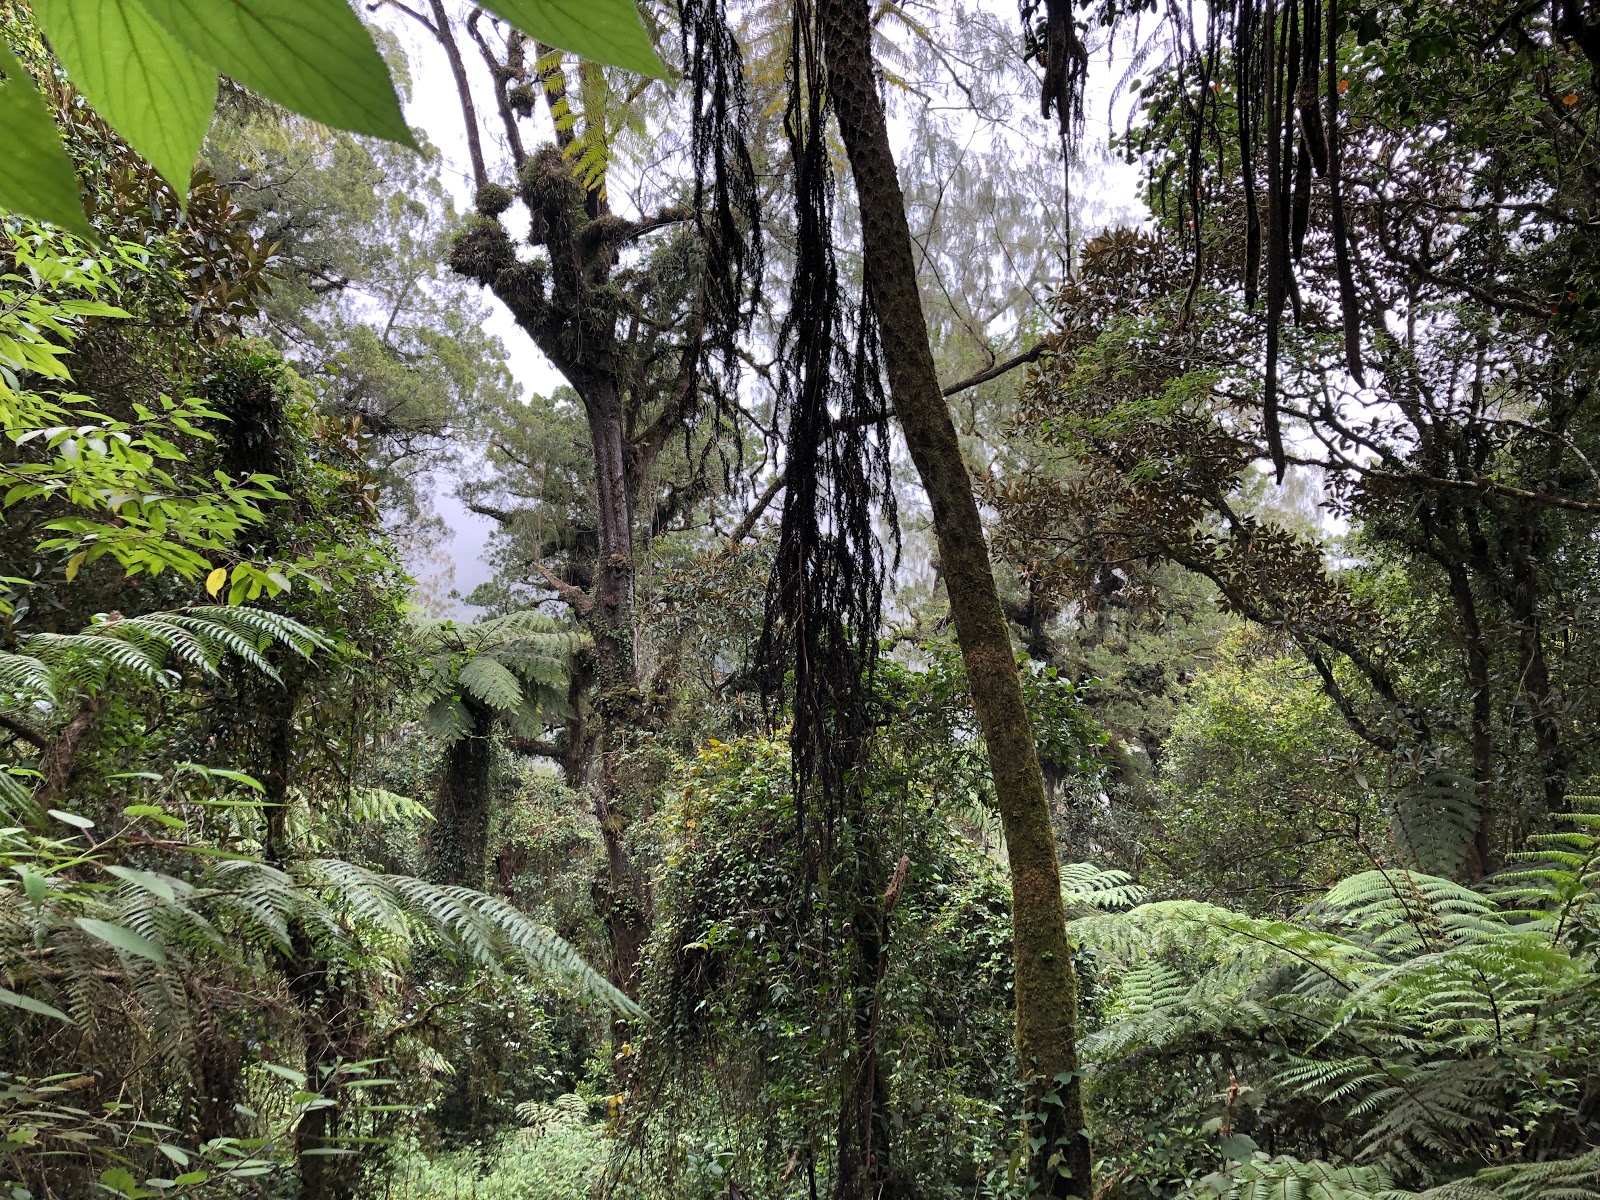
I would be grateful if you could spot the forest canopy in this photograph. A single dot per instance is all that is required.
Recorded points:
(1035, 634)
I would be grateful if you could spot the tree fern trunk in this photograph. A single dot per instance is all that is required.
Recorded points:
(458, 847)
(1045, 983)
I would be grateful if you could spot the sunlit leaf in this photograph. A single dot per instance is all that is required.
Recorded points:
(602, 31)
(147, 85)
(312, 56)
(38, 179)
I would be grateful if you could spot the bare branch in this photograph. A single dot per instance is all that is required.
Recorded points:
(1011, 364)
(748, 522)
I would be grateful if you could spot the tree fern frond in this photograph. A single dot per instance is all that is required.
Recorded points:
(491, 683)
(24, 680)
(1086, 886)
(1434, 820)
(448, 720)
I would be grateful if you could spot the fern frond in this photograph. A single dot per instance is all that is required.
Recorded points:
(1088, 887)
(491, 683)
(1434, 820)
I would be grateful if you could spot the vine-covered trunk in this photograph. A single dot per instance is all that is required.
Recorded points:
(1045, 983)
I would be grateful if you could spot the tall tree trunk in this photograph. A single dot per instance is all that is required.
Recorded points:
(1046, 986)
(620, 893)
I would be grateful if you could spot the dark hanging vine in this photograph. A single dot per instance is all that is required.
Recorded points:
(727, 220)
(825, 594)
(1284, 59)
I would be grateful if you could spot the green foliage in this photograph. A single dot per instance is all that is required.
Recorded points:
(108, 487)
(1257, 796)
(39, 180)
(757, 993)
(150, 68)
(563, 1162)
(610, 32)
(514, 668)
(1407, 1027)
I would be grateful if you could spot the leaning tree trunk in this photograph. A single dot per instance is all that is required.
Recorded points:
(1045, 983)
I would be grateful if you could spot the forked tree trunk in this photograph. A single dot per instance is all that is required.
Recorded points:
(1045, 983)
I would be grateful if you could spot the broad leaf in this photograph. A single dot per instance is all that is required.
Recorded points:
(147, 84)
(123, 939)
(312, 56)
(603, 31)
(34, 1006)
(37, 180)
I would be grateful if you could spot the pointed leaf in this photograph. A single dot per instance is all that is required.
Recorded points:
(312, 56)
(123, 939)
(32, 1005)
(602, 31)
(38, 179)
(147, 84)
(158, 885)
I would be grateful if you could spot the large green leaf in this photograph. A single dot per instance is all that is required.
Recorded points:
(123, 939)
(36, 177)
(147, 84)
(312, 56)
(603, 31)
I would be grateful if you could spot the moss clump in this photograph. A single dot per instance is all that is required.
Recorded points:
(482, 250)
(493, 199)
(521, 98)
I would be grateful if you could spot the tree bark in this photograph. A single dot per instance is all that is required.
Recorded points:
(1046, 986)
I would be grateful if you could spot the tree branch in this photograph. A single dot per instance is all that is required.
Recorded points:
(570, 594)
(748, 521)
(19, 730)
(1011, 364)
(469, 111)
(1479, 484)
(535, 747)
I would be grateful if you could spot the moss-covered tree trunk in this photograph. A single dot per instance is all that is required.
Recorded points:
(620, 893)
(572, 313)
(1045, 983)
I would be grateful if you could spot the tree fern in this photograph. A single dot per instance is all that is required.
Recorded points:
(147, 649)
(1415, 1025)
(1086, 887)
(513, 667)
(1554, 882)
(1434, 820)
